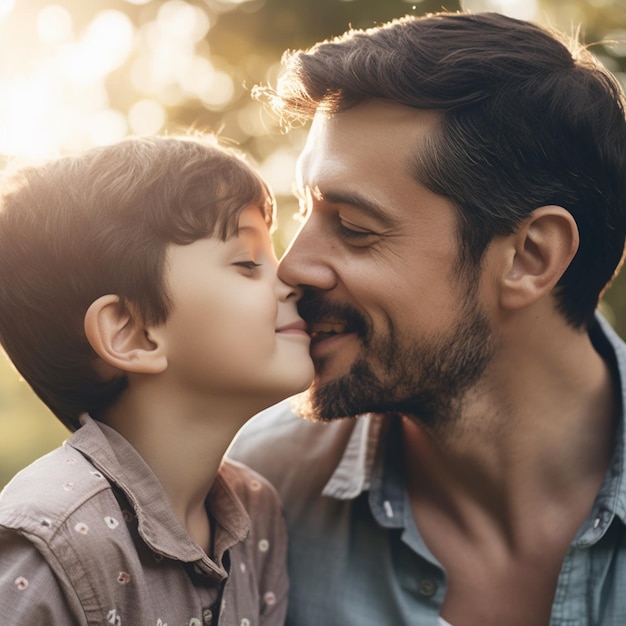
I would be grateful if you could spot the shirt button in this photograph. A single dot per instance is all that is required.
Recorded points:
(207, 617)
(427, 587)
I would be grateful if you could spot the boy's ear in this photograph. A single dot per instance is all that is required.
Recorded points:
(121, 339)
(539, 252)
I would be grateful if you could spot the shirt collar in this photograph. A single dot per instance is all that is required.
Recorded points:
(370, 463)
(611, 499)
(158, 525)
(353, 474)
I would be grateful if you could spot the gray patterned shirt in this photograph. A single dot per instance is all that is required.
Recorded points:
(87, 536)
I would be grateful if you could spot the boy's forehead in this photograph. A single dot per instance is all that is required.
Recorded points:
(229, 225)
(253, 218)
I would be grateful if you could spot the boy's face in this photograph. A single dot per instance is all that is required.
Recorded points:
(234, 330)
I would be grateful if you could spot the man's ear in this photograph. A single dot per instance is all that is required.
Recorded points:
(121, 339)
(539, 252)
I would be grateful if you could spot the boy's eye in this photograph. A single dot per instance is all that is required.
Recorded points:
(249, 265)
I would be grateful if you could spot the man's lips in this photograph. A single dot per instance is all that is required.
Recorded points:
(328, 320)
(323, 330)
(332, 341)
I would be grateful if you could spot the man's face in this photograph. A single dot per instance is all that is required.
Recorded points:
(396, 325)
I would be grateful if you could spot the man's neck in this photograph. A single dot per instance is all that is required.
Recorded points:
(499, 497)
(528, 432)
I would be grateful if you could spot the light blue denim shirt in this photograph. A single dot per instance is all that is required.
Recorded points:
(356, 557)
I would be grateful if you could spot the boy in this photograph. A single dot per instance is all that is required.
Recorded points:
(139, 299)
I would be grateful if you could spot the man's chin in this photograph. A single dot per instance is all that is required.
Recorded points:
(337, 398)
(309, 406)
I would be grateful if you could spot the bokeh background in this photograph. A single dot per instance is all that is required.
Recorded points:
(78, 73)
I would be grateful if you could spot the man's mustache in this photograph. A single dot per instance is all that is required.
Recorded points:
(314, 307)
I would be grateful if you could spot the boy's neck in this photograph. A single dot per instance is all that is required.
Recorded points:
(182, 442)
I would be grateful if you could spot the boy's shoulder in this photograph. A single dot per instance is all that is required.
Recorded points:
(258, 505)
(251, 489)
(266, 534)
(41, 497)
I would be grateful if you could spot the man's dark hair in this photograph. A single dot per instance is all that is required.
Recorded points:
(100, 223)
(527, 120)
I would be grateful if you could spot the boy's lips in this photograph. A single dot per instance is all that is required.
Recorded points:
(299, 327)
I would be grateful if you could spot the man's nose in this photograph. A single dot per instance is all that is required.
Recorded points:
(286, 292)
(308, 261)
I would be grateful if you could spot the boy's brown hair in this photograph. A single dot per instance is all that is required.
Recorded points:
(100, 223)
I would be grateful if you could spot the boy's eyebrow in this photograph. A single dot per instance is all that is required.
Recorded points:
(253, 231)
(351, 198)
(248, 230)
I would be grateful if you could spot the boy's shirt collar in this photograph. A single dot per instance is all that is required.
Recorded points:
(158, 525)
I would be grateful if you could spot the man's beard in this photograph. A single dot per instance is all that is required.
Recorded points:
(424, 379)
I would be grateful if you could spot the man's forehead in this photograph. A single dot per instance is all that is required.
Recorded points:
(372, 130)
(378, 114)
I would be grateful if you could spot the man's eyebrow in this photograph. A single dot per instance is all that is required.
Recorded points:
(350, 198)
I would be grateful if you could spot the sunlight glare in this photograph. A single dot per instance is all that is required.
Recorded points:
(106, 44)
(43, 112)
(182, 21)
(24, 126)
(199, 76)
(250, 121)
(106, 126)
(220, 93)
(163, 59)
(278, 170)
(521, 9)
(6, 6)
(146, 117)
(54, 24)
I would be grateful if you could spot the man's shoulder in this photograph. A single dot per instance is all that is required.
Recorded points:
(280, 445)
(278, 423)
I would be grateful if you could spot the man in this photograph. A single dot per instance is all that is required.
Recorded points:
(464, 206)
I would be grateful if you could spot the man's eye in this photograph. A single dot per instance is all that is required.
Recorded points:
(351, 233)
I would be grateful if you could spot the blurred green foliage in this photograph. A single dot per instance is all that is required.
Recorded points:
(244, 40)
